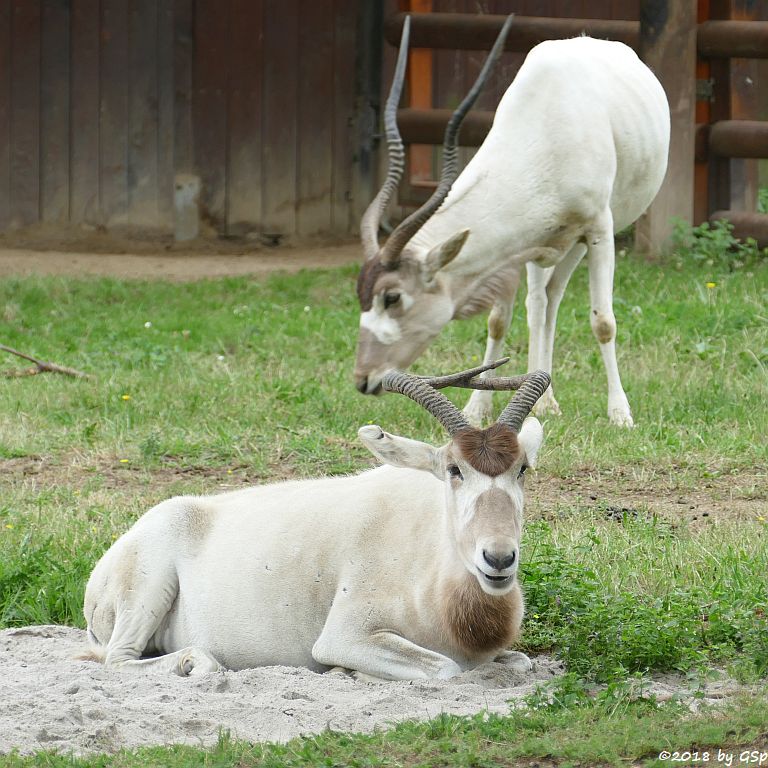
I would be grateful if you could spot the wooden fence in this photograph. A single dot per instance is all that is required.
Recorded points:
(102, 102)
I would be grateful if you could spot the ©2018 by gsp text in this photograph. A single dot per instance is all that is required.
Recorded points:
(725, 757)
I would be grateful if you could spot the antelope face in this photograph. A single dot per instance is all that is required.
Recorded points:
(483, 472)
(403, 308)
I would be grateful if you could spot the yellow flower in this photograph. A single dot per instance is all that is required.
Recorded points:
(711, 285)
(126, 397)
(229, 471)
(9, 526)
(123, 461)
(760, 519)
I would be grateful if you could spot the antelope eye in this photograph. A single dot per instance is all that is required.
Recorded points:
(522, 471)
(390, 299)
(455, 472)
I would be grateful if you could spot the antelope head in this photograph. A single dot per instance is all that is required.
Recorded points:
(483, 469)
(404, 303)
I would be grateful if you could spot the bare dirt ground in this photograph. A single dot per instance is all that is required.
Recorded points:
(80, 254)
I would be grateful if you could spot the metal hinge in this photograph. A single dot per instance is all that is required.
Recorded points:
(705, 90)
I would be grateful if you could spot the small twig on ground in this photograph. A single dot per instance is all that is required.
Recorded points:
(41, 366)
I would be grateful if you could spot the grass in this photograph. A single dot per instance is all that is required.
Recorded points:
(206, 385)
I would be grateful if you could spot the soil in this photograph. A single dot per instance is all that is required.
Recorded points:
(79, 254)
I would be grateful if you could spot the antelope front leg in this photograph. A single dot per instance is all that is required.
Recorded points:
(536, 306)
(188, 662)
(382, 655)
(601, 265)
(479, 407)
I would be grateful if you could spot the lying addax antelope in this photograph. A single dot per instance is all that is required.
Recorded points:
(393, 573)
(577, 151)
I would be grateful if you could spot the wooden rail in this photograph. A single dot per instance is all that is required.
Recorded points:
(732, 39)
(469, 32)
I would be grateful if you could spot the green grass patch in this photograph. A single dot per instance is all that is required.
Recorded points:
(198, 386)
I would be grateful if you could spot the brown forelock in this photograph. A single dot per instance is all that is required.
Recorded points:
(370, 272)
(491, 451)
(478, 622)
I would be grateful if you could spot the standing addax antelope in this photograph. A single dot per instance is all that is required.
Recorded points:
(577, 151)
(404, 571)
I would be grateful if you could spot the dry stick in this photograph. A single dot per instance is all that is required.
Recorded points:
(42, 366)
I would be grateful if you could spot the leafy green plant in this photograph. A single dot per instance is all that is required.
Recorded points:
(714, 245)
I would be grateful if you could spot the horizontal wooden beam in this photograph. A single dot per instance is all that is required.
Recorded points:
(477, 32)
(733, 39)
(739, 138)
(427, 126)
(745, 224)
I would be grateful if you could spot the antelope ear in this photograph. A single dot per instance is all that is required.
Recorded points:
(443, 254)
(530, 436)
(399, 451)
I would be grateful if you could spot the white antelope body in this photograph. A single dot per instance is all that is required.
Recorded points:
(577, 151)
(393, 573)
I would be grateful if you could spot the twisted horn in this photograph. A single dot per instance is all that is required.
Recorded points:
(525, 398)
(369, 225)
(390, 254)
(427, 397)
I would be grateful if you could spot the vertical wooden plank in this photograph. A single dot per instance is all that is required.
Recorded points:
(420, 67)
(85, 178)
(703, 117)
(165, 113)
(183, 68)
(244, 173)
(744, 106)
(142, 173)
(54, 118)
(279, 117)
(668, 46)
(115, 92)
(315, 118)
(209, 105)
(719, 176)
(344, 214)
(5, 113)
(25, 112)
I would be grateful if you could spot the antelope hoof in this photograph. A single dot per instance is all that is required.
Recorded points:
(515, 661)
(621, 418)
(478, 411)
(547, 405)
(197, 662)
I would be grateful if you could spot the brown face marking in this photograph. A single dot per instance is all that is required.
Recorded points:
(370, 272)
(491, 451)
(479, 622)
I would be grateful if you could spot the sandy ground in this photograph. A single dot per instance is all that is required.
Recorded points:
(179, 266)
(50, 700)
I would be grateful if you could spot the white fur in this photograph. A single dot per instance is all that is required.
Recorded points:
(577, 151)
(336, 572)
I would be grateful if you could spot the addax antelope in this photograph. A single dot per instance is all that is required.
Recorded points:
(577, 151)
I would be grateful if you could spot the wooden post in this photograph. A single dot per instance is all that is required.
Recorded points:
(668, 47)
(733, 181)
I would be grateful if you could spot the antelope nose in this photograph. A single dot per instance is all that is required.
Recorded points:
(500, 563)
(361, 382)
